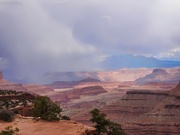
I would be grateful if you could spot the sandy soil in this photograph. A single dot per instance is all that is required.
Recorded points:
(30, 127)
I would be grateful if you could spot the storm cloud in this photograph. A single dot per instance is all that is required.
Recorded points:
(140, 27)
(32, 42)
(38, 36)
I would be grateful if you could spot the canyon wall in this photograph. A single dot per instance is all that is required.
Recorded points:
(147, 112)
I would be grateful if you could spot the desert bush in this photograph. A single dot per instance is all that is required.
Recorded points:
(6, 115)
(65, 118)
(104, 125)
(9, 131)
(114, 129)
(100, 120)
(46, 109)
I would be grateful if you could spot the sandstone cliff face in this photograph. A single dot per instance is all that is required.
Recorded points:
(147, 113)
(161, 75)
(133, 105)
(165, 119)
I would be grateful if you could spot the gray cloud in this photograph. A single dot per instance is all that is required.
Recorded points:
(34, 43)
(10, 2)
(139, 27)
(61, 35)
(3, 63)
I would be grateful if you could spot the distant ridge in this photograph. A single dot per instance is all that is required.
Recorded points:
(89, 79)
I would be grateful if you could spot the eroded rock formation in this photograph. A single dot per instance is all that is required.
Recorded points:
(147, 112)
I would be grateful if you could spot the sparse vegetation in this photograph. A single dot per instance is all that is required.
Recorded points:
(9, 131)
(100, 120)
(104, 125)
(42, 107)
(9, 92)
(10, 99)
(46, 109)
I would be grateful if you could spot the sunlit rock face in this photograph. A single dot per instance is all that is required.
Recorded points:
(160, 112)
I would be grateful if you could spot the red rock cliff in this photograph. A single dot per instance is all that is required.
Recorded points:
(1, 76)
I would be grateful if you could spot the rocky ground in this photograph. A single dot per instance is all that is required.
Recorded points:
(28, 126)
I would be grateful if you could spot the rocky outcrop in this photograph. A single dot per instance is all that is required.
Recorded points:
(164, 119)
(90, 91)
(162, 116)
(161, 75)
(77, 93)
(133, 105)
(147, 112)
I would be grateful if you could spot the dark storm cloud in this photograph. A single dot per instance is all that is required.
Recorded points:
(33, 43)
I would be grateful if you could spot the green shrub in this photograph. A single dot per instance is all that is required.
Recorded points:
(46, 109)
(114, 129)
(65, 118)
(6, 115)
(104, 125)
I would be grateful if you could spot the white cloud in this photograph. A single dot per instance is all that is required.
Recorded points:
(117, 26)
(173, 54)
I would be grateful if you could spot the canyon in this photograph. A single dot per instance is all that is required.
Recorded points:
(144, 101)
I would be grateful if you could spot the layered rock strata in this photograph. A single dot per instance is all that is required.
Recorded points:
(147, 113)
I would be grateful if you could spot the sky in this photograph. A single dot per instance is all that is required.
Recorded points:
(38, 36)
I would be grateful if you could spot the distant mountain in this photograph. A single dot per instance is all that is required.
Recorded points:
(136, 61)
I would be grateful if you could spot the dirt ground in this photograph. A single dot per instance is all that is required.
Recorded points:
(31, 127)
